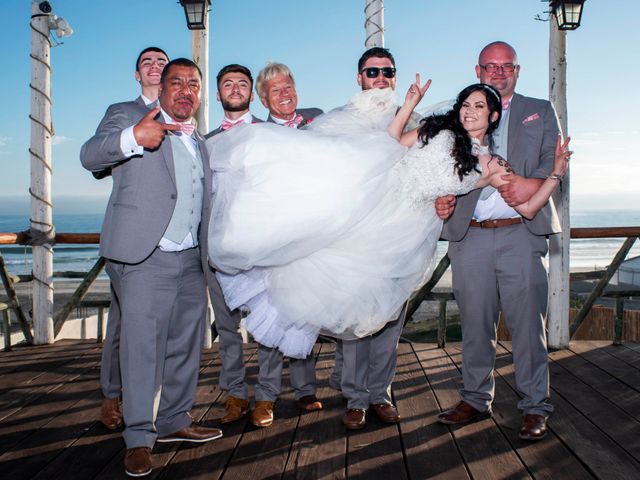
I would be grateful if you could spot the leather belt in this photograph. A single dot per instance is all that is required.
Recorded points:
(501, 222)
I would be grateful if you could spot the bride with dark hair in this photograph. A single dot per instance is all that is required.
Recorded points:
(329, 229)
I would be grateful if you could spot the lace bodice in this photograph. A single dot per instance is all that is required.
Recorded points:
(428, 172)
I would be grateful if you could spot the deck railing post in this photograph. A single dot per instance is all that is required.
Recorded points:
(100, 326)
(442, 323)
(6, 326)
(559, 287)
(618, 322)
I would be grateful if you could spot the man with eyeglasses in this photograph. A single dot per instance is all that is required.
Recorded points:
(149, 66)
(364, 368)
(497, 256)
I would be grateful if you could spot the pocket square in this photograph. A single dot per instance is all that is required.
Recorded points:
(531, 118)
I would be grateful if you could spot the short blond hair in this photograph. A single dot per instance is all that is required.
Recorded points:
(271, 70)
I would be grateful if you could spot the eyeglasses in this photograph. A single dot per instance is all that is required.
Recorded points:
(373, 72)
(494, 67)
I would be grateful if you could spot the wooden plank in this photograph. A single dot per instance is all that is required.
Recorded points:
(603, 413)
(209, 460)
(546, 459)
(430, 450)
(627, 355)
(595, 352)
(486, 451)
(620, 393)
(594, 449)
(72, 414)
(263, 452)
(164, 453)
(43, 378)
(319, 446)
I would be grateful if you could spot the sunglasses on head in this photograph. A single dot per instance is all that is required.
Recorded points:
(373, 72)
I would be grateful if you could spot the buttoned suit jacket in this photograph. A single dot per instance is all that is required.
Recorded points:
(218, 130)
(533, 131)
(307, 114)
(144, 191)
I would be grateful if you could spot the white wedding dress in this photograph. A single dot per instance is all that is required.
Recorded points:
(327, 229)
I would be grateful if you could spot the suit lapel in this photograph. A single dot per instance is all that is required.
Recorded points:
(516, 112)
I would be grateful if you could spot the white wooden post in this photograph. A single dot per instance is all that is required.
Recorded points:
(559, 285)
(40, 187)
(374, 23)
(200, 54)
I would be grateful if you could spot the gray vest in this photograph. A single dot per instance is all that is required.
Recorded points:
(189, 183)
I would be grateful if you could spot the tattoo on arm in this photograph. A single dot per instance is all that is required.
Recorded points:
(502, 163)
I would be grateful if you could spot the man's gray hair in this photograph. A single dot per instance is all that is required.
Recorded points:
(271, 70)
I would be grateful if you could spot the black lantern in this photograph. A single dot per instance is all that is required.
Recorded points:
(568, 13)
(195, 12)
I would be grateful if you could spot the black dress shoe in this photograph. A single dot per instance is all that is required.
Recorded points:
(534, 427)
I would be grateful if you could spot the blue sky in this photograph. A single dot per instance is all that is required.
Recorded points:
(321, 42)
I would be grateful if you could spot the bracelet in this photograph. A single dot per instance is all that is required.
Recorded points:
(555, 176)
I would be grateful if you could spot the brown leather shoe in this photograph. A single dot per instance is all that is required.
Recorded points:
(534, 427)
(137, 462)
(236, 408)
(111, 413)
(386, 412)
(309, 403)
(355, 418)
(463, 413)
(192, 433)
(262, 415)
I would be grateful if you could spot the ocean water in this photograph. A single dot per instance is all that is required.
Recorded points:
(587, 253)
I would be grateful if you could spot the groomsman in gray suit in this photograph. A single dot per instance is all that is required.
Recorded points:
(365, 368)
(496, 255)
(150, 239)
(149, 66)
(235, 85)
(276, 88)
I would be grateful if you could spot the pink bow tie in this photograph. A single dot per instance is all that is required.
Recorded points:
(226, 124)
(294, 122)
(506, 104)
(187, 128)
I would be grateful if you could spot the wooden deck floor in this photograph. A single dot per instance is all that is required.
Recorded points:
(49, 403)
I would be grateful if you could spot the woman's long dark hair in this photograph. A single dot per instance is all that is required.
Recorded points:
(431, 126)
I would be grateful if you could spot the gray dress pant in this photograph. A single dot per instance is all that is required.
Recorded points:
(110, 381)
(232, 377)
(163, 306)
(368, 366)
(501, 269)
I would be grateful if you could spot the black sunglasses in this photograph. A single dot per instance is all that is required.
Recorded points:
(373, 72)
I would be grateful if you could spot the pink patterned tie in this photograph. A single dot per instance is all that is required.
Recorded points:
(226, 124)
(294, 122)
(187, 128)
(506, 104)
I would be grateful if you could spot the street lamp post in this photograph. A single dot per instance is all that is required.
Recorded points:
(566, 16)
(197, 15)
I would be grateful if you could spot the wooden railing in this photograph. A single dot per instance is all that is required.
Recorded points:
(9, 281)
(424, 294)
(631, 234)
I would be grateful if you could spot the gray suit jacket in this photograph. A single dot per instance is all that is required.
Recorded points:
(144, 187)
(218, 130)
(307, 115)
(533, 130)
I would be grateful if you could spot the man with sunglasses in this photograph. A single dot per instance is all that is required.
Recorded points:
(364, 368)
(496, 255)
